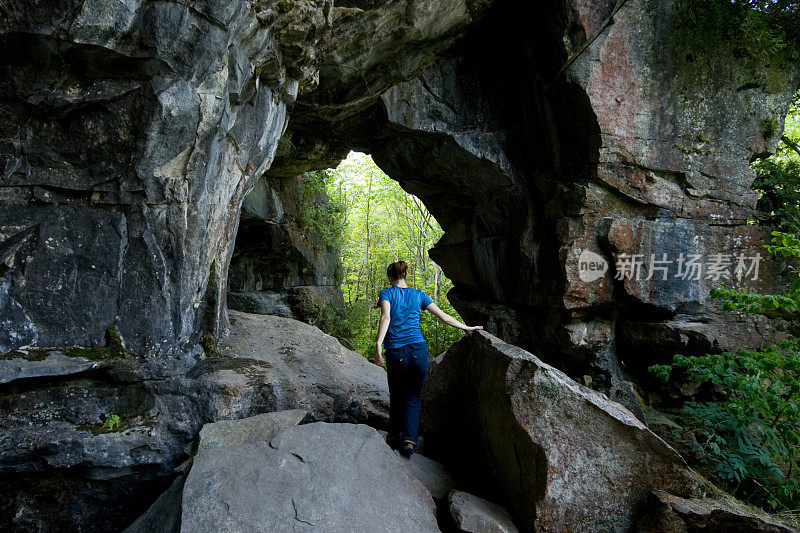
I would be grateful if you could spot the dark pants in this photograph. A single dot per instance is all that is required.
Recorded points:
(407, 368)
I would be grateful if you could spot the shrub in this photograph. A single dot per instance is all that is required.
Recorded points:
(753, 433)
(750, 431)
(112, 422)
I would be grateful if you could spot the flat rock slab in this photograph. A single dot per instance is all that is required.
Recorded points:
(54, 363)
(434, 475)
(476, 515)
(253, 429)
(315, 477)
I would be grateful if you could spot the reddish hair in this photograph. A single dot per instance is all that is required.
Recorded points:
(397, 271)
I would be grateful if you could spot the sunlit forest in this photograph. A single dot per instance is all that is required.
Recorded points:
(374, 222)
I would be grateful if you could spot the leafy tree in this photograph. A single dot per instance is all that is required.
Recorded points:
(382, 224)
(758, 27)
(778, 178)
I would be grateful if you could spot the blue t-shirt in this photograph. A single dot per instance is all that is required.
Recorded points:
(405, 303)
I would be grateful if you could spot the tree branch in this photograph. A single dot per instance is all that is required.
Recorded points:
(791, 144)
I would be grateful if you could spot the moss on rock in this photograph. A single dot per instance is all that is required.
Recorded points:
(119, 423)
(113, 349)
(30, 354)
(209, 343)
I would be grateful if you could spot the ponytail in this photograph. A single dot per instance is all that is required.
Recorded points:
(397, 271)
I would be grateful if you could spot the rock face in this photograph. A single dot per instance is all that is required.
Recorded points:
(134, 130)
(563, 456)
(607, 157)
(281, 265)
(328, 477)
(602, 135)
(666, 512)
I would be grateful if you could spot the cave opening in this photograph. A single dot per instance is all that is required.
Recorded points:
(314, 247)
(497, 147)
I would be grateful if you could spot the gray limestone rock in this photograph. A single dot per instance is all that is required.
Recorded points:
(565, 457)
(261, 303)
(164, 516)
(271, 363)
(433, 474)
(667, 512)
(325, 477)
(252, 429)
(476, 515)
(40, 363)
(53, 425)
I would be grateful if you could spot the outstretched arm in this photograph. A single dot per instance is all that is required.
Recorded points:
(449, 320)
(383, 326)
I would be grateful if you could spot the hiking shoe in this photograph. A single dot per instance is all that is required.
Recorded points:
(407, 450)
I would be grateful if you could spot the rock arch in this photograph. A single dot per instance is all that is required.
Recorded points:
(124, 177)
(131, 132)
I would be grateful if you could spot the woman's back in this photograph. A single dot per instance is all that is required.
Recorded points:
(405, 304)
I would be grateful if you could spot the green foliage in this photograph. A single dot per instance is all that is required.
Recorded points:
(329, 318)
(778, 178)
(753, 433)
(758, 27)
(112, 422)
(320, 215)
(118, 423)
(209, 343)
(778, 182)
(769, 126)
(113, 348)
(381, 224)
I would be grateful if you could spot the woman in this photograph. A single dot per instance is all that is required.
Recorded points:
(406, 352)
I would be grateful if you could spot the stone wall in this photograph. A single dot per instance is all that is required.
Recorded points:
(281, 264)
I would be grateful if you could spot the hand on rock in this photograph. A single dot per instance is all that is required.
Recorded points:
(470, 329)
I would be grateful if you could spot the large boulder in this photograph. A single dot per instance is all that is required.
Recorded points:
(563, 456)
(320, 476)
(270, 363)
(164, 516)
